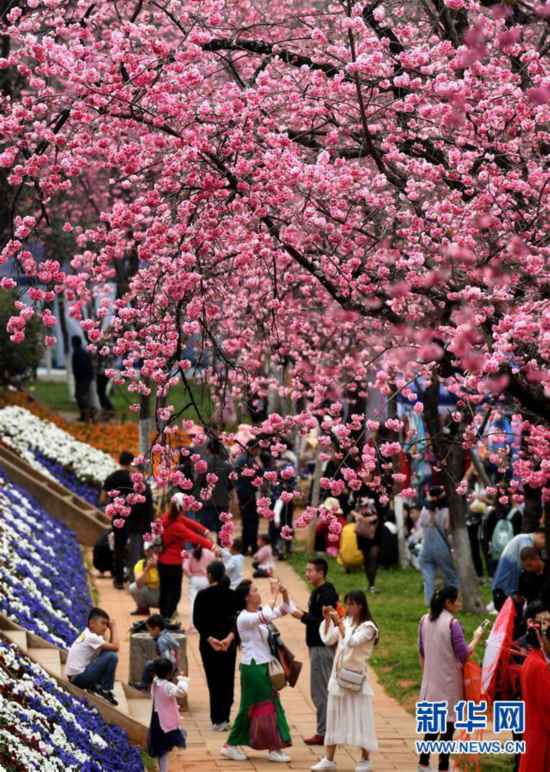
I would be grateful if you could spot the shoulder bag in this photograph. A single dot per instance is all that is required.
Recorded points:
(347, 678)
(277, 675)
(351, 680)
(283, 661)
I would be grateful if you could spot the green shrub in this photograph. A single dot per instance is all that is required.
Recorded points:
(18, 361)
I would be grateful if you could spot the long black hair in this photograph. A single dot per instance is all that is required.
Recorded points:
(360, 599)
(197, 551)
(241, 594)
(439, 598)
(216, 573)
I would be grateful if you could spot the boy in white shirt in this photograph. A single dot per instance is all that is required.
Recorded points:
(234, 563)
(92, 659)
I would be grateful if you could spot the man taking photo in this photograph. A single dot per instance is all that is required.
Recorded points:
(321, 657)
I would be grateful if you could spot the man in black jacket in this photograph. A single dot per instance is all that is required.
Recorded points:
(321, 657)
(128, 539)
(83, 372)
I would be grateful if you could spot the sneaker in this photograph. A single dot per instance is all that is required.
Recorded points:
(107, 695)
(223, 727)
(233, 753)
(324, 764)
(374, 589)
(422, 769)
(141, 687)
(278, 756)
(363, 766)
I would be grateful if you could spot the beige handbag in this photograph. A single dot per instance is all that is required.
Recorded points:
(277, 675)
(351, 680)
(347, 678)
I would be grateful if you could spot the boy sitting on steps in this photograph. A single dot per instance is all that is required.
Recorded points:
(92, 659)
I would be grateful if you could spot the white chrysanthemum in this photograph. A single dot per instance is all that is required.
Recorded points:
(25, 431)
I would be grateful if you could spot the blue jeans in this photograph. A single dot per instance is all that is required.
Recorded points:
(436, 555)
(100, 672)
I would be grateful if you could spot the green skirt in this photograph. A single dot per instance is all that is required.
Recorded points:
(256, 687)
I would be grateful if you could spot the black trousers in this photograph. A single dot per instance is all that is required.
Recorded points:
(475, 546)
(104, 400)
(219, 668)
(119, 553)
(281, 546)
(424, 760)
(499, 598)
(170, 588)
(370, 561)
(251, 523)
(82, 397)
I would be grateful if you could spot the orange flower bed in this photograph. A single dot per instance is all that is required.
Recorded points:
(111, 437)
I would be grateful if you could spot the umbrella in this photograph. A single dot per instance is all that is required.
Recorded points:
(497, 652)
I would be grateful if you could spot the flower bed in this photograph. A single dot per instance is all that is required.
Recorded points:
(111, 437)
(43, 583)
(25, 432)
(44, 728)
(68, 478)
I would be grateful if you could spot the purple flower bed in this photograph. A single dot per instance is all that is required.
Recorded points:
(45, 727)
(43, 584)
(69, 479)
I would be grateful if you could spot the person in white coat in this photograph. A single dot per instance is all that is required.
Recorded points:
(350, 713)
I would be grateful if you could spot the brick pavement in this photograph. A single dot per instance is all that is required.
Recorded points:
(394, 726)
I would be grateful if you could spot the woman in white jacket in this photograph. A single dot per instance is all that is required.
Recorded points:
(350, 714)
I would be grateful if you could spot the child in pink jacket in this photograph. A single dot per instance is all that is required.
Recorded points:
(262, 561)
(165, 732)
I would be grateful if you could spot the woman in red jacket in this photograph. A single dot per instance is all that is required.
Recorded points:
(177, 530)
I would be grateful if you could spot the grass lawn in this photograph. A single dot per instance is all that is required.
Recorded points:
(56, 396)
(397, 610)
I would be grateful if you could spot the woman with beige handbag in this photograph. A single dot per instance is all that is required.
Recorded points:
(350, 714)
(261, 722)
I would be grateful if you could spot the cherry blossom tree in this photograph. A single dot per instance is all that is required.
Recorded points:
(324, 194)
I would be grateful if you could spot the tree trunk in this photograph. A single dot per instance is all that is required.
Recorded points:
(66, 346)
(400, 524)
(449, 453)
(145, 426)
(310, 538)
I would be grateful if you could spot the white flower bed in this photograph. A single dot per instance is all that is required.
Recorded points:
(25, 432)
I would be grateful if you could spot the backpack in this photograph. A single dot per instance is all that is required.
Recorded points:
(503, 533)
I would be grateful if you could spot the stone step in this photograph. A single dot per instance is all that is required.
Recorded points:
(19, 637)
(88, 522)
(140, 710)
(48, 658)
(120, 696)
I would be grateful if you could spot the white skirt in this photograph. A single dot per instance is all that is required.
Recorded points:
(350, 721)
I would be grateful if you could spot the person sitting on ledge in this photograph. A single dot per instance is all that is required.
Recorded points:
(145, 590)
(166, 646)
(92, 659)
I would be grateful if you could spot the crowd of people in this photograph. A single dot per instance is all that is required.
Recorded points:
(228, 614)
(339, 637)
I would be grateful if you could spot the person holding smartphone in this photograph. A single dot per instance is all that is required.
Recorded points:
(443, 651)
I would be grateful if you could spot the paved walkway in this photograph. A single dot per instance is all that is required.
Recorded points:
(395, 727)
